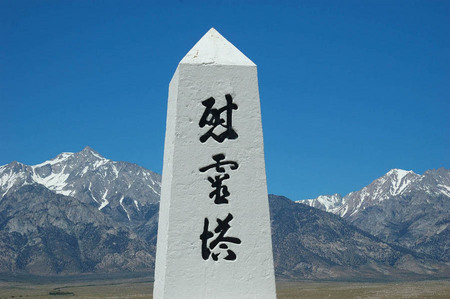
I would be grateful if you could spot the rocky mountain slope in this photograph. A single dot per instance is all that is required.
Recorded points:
(310, 243)
(83, 213)
(402, 208)
(42, 232)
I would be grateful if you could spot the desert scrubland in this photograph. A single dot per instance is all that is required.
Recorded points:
(143, 287)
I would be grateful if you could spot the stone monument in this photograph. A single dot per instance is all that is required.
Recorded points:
(214, 238)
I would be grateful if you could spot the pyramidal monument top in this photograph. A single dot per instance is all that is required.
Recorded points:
(213, 48)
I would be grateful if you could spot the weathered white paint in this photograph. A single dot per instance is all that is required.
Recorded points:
(213, 68)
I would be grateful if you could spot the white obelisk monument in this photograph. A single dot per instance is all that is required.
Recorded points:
(214, 238)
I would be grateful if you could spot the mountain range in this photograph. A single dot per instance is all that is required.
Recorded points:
(83, 213)
(402, 208)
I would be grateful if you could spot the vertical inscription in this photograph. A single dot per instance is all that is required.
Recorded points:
(220, 127)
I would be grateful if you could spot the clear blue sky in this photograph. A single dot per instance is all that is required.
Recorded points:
(349, 89)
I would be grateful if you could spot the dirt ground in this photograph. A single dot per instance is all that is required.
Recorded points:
(419, 289)
(142, 288)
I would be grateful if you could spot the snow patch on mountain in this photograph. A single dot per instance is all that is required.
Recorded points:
(105, 202)
(55, 181)
(8, 178)
(123, 207)
(444, 189)
(85, 170)
(136, 204)
(324, 202)
(90, 192)
(58, 159)
(100, 162)
(116, 172)
(13, 175)
(400, 180)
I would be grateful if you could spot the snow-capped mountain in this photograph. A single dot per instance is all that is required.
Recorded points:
(120, 188)
(396, 182)
(324, 202)
(400, 207)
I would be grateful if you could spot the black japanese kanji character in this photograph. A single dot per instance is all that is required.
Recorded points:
(218, 158)
(220, 193)
(212, 117)
(221, 229)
